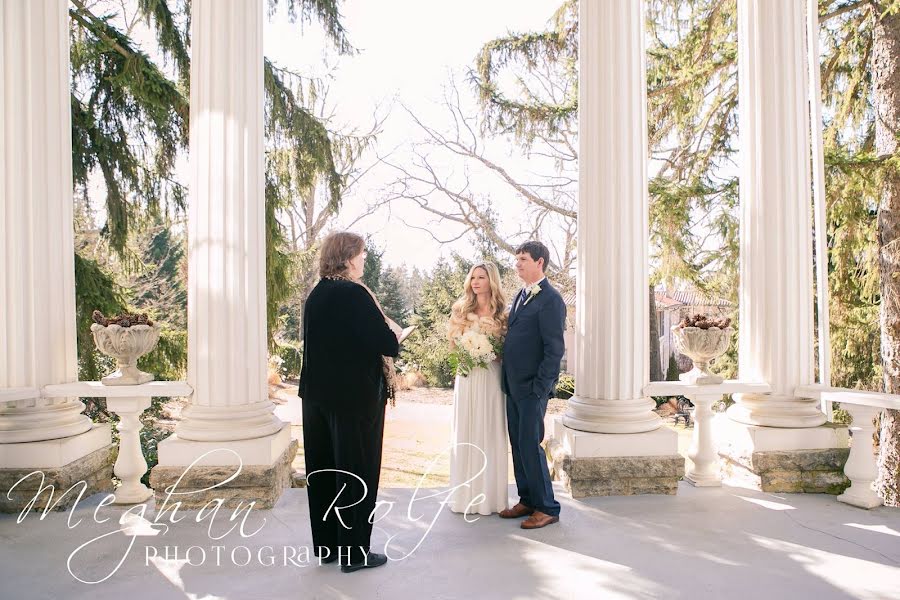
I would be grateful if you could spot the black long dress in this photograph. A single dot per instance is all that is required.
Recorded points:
(343, 390)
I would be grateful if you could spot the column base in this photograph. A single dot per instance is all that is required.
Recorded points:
(44, 419)
(218, 424)
(703, 481)
(265, 471)
(777, 459)
(599, 464)
(611, 416)
(863, 500)
(772, 410)
(95, 455)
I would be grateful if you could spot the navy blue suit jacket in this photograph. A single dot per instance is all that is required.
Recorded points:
(534, 346)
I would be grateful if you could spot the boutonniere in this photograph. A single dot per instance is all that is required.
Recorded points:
(532, 292)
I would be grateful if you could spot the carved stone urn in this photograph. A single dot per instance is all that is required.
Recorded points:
(701, 346)
(126, 345)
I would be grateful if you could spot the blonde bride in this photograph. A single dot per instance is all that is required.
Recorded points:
(478, 456)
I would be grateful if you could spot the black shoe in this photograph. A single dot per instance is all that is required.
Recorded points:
(372, 560)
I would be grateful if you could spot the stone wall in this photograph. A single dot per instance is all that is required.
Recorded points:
(262, 484)
(811, 471)
(95, 469)
(615, 476)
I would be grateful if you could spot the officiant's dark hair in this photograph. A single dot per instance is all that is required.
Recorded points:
(337, 249)
(536, 250)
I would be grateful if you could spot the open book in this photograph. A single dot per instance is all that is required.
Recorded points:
(406, 333)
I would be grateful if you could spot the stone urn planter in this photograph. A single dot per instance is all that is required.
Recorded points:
(125, 338)
(702, 340)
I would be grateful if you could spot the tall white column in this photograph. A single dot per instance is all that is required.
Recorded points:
(37, 272)
(612, 361)
(776, 293)
(226, 234)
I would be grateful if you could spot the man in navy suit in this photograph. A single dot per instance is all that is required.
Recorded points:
(532, 354)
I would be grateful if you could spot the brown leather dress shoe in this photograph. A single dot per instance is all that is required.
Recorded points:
(538, 520)
(519, 510)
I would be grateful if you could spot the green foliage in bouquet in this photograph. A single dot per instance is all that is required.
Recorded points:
(462, 361)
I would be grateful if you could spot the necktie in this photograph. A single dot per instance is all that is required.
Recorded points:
(521, 298)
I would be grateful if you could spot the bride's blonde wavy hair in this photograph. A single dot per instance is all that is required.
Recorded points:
(468, 302)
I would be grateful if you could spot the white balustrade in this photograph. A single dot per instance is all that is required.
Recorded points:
(703, 452)
(128, 402)
(861, 468)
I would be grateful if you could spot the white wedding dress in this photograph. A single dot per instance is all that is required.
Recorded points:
(479, 418)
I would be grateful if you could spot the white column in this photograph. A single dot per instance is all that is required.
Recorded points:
(226, 235)
(612, 360)
(37, 272)
(776, 293)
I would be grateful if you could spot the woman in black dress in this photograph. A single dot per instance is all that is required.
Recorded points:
(345, 382)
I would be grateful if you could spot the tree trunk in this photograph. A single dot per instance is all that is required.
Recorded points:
(886, 99)
(656, 373)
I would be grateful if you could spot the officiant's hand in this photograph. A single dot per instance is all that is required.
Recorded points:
(394, 327)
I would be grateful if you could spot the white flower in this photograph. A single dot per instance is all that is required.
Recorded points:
(532, 292)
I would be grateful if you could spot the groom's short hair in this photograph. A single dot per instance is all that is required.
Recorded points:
(536, 250)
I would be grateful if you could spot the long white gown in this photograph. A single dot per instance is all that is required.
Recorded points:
(479, 418)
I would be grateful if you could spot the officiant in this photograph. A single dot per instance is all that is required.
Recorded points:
(346, 380)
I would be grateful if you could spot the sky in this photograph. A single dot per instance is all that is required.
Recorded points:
(408, 51)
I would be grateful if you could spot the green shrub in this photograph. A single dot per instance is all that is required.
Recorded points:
(565, 388)
(672, 372)
(291, 356)
(841, 416)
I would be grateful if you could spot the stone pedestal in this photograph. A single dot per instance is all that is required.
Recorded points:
(263, 469)
(592, 464)
(53, 458)
(783, 460)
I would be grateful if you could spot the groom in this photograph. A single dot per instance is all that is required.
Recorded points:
(531, 358)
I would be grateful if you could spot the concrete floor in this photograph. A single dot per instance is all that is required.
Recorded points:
(703, 543)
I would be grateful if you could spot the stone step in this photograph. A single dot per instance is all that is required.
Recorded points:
(298, 479)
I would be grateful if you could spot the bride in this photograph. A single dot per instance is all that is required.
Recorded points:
(479, 441)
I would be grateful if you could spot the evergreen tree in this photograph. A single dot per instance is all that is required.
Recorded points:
(672, 372)
(129, 124)
(428, 348)
(392, 297)
(373, 266)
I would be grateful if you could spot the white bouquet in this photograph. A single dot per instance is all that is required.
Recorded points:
(473, 350)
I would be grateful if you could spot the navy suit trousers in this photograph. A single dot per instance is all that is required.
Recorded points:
(525, 420)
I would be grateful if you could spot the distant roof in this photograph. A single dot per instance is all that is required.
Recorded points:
(666, 301)
(672, 299)
(695, 298)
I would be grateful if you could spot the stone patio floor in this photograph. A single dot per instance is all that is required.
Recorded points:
(725, 542)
